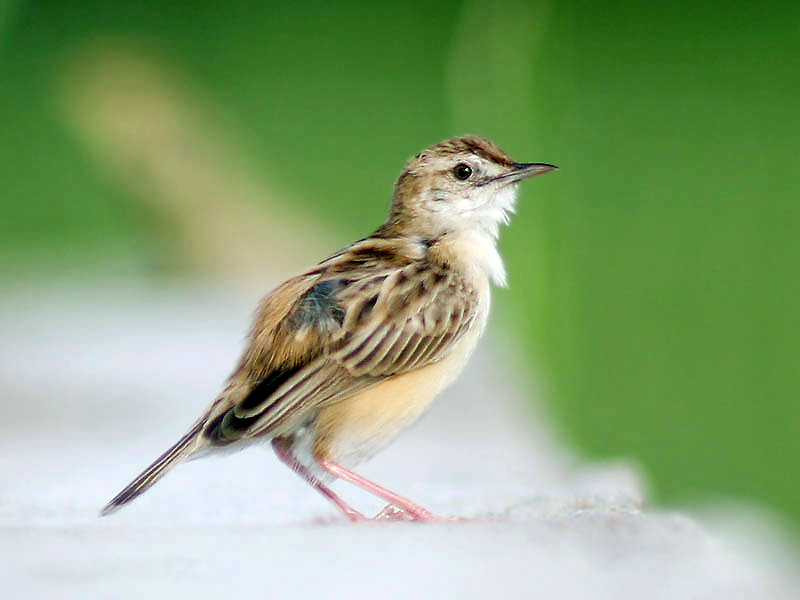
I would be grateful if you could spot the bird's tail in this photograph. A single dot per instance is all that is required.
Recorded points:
(182, 449)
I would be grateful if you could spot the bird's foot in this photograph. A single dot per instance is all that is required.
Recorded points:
(420, 515)
(392, 513)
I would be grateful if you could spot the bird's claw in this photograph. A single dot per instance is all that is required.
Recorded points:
(392, 513)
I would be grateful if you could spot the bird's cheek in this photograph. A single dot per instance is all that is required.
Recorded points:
(437, 204)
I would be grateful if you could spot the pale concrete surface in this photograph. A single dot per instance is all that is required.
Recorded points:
(98, 381)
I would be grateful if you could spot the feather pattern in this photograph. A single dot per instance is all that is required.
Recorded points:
(379, 308)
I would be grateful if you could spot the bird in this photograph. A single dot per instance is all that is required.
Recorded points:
(344, 356)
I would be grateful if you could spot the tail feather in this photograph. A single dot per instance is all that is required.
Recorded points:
(182, 449)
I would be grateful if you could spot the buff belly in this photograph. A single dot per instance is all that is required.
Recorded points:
(354, 429)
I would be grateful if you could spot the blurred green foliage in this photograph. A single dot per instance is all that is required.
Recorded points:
(654, 277)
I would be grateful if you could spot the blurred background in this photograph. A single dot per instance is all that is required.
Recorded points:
(653, 280)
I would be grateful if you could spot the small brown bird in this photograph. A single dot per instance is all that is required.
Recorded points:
(343, 357)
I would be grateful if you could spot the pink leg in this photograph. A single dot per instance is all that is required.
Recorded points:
(417, 512)
(281, 447)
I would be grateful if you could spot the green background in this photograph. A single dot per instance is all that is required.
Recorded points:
(653, 279)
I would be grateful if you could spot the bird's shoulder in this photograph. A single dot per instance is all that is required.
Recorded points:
(376, 288)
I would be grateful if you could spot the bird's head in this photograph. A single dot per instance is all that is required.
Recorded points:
(465, 184)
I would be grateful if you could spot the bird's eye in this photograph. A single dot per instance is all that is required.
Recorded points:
(462, 171)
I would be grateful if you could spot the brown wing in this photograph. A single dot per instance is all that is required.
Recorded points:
(408, 320)
(347, 330)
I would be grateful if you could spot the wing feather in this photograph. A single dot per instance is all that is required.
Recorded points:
(344, 331)
(419, 315)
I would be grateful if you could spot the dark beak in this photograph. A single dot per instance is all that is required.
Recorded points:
(521, 171)
(524, 170)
